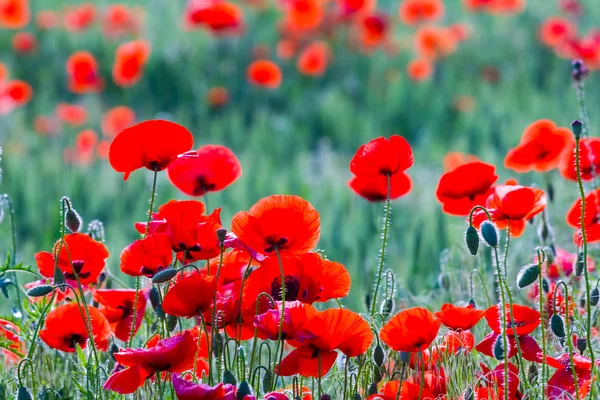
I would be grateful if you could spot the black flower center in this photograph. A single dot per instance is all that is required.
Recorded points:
(292, 288)
(77, 268)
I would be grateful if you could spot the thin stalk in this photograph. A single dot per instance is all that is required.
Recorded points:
(214, 314)
(282, 315)
(13, 256)
(386, 223)
(502, 311)
(541, 253)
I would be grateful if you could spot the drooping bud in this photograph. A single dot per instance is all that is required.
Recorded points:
(154, 297)
(378, 355)
(325, 396)
(40, 291)
(357, 396)
(545, 232)
(557, 325)
(545, 285)
(368, 300)
(472, 303)
(498, 349)
(405, 357)
(594, 296)
(243, 390)
(377, 375)
(472, 240)
(165, 275)
(444, 281)
(387, 306)
(229, 378)
(580, 264)
(218, 345)
(73, 220)
(23, 394)
(489, 233)
(581, 344)
(532, 372)
(527, 275)
(577, 128)
(113, 349)
(267, 381)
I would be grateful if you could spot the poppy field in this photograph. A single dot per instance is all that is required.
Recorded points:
(299, 199)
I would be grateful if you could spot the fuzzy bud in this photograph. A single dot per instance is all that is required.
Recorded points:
(165, 275)
(472, 240)
(580, 264)
(154, 297)
(405, 357)
(113, 349)
(594, 296)
(580, 70)
(378, 355)
(267, 381)
(577, 128)
(527, 275)
(557, 325)
(356, 397)
(581, 344)
(532, 372)
(489, 233)
(218, 345)
(73, 221)
(444, 281)
(498, 348)
(377, 375)
(221, 235)
(243, 390)
(229, 378)
(387, 306)
(40, 291)
(171, 322)
(325, 396)
(23, 394)
(472, 303)
(545, 285)
(372, 389)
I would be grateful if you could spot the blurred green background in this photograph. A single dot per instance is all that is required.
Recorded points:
(299, 138)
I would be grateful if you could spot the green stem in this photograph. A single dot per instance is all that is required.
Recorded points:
(320, 377)
(569, 336)
(386, 223)
(541, 253)
(282, 314)
(422, 380)
(214, 314)
(502, 311)
(13, 256)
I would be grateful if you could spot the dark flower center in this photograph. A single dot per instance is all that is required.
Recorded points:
(274, 242)
(292, 288)
(74, 340)
(77, 267)
(149, 272)
(183, 247)
(202, 185)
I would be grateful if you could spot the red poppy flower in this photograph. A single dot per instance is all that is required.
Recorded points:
(24, 42)
(420, 69)
(589, 160)
(80, 17)
(12, 349)
(85, 144)
(152, 144)
(413, 12)
(190, 296)
(372, 29)
(409, 391)
(130, 59)
(217, 97)
(382, 157)
(455, 341)
(511, 206)
(465, 187)
(117, 307)
(80, 253)
(493, 383)
(496, 7)
(303, 15)
(541, 147)
(214, 168)
(295, 316)
(264, 73)
(313, 59)
(174, 354)
(218, 16)
(562, 384)
(526, 319)
(459, 318)
(590, 221)
(117, 119)
(119, 20)
(288, 223)
(83, 73)
(46, 126)
(399, 335)
(530, 350)
(325, 332)
(65, 328)
(72, 114)
(14, 94)
(556, 31)
(14, 14)
(47, 19)
(375, 189)
(186, 390)
(434, 42)
(146, 257)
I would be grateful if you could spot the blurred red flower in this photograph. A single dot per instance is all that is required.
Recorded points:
(220, 17)
(79, 17)
(264, 73)
(314, 59)
(47, 19)
(130, 59)
(117, 119)
(119, 20)
(420, 69)
(83, 74)
(72, 114)
(14, 14)
(24, 42)
(413, 12)
(217, 97)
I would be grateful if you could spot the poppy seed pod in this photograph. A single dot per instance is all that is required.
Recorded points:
(498, 349)
(221, 235)
(527, 275)
(581, 344)
(378, 355)
(472, 240)
(164, 275)
(23, 394)
(40, 291)
(557, 325)
(489, 233)
(405, 356)
(113, 349)
(594, 296)
(243, 390)
(577, 128)
(229, 377)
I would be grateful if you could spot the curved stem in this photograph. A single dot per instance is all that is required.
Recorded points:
(386, 224)
(487, 213)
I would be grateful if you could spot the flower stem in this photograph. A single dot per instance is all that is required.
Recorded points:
(386, 224)
(502, 316)
(13, 256)
(541, 253)
(281, 318)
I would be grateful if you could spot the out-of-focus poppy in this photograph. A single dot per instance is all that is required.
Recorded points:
(434, 42)
(218, 16)
(147, 256)
(47, 19)
(413, 12)
(288, 223)
(420, 69)
(80, 253)
(217, 97)
(130, 59)
(82, 70)
(14, 14)
(190, 296)
(102, 149)
(117, 119)
(119, 20)
(590, 220)
(187, 390)
(398, 332)
(303, 15)
(265, 73)
(117, 307)
(261, 51)
(214, 168)
(3, 74)
(14, 94)
(353, 8)
(455, 159)
(459, 318)
(72, 114)
(464, 103)
(286, 49)
(325, 332)
(46, 126)
(557, 30)
(511, 206)
(85, 146)
(372, 29)
(12, 349)
(542, 146)
(314, 59)
(495, 6)
(66, 328)
(459, 31)
(174, 354)
(465, 187)
(571, 7)
(151, 144)
(589, 160)
(79, 17)
(24, 42)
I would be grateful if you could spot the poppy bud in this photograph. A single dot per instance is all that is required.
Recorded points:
(498, 349)
(229, 378)
(469, 394)
(40, 291)
(154, 297)
(218, 345)
(267, 381)
(580, 70)
(550, 192)
(368, 300)
(171, 322)
(527, 275)
(594, 296)
(23, 394)
(582, 302)
(164, 276)
(472, 240)
(387, 306)
(113, 349)
(489, 233)
(243, 390)
(444, 281)
(221, 235)
(59, 277)
(557, 324)
(73, 220)
(101, 278)
(377, 375)
(372, 389)
(325, 396)
(581, 344)
(532, 372)
(580, 264)
(545, 285)
(472, 303)
(378, 355)
(241, 364)
(545, 231)
(577, 128)
(357, 397)
(405, 357)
